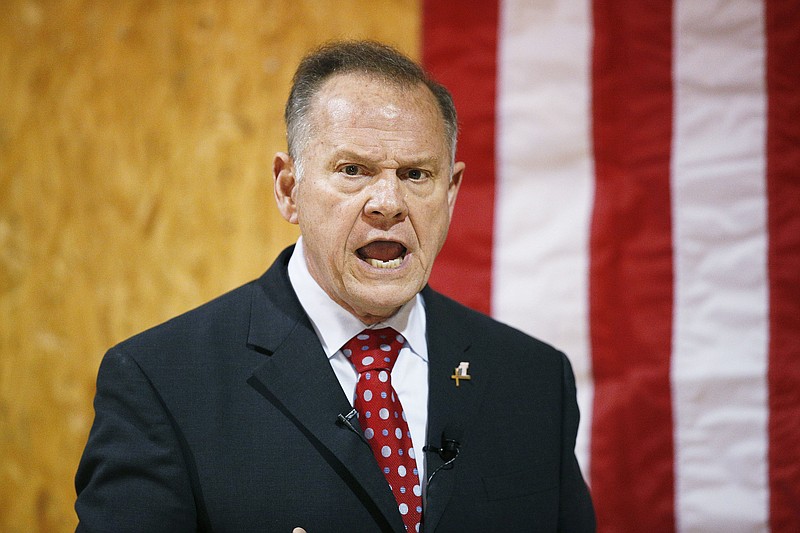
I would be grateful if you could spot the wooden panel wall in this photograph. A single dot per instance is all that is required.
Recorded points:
(136, 140)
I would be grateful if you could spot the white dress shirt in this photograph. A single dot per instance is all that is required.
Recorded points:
(335, 326)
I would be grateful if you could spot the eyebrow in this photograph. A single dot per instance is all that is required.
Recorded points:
(425, 160)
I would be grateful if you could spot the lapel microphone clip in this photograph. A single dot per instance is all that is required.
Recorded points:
(346, 421)
(448, 451)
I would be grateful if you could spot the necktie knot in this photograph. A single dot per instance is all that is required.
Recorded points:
(374, 349)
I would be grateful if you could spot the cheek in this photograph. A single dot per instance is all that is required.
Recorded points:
(432, 230)
(321, 212)
(331, 225)
(338, 213)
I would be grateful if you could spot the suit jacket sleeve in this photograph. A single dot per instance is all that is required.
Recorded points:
(132, 476)
(576, 511)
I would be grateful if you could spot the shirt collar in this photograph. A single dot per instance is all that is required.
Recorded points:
(335, 326)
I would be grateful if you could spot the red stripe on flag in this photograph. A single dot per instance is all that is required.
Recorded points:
(783, 196)
(460, 49)
(631, 294)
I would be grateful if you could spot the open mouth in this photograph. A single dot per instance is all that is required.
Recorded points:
(383, 254)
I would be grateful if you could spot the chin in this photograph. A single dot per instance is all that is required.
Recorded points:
(384, 300)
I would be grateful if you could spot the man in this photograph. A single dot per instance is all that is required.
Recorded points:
(239, 415)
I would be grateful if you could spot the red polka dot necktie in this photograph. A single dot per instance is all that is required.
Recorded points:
(373, 352)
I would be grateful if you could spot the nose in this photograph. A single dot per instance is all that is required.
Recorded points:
(386, 201)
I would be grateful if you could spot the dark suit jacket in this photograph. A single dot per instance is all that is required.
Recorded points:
(225, 419)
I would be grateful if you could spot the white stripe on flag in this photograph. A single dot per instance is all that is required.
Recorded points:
(545, 182)
(719, 362)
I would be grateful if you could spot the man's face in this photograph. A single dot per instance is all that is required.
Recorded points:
(376, 193)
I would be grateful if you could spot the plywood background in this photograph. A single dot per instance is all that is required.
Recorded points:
(136, 140)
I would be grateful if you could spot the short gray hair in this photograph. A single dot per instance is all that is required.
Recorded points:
(359, 57)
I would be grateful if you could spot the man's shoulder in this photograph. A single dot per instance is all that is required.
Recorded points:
(223, 317)
(219, 323)
(483, 328)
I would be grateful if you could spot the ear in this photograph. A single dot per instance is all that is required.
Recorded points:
(454, 185)
(285, 186)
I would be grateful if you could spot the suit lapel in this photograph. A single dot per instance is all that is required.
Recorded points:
(298, 379)
(451, 407)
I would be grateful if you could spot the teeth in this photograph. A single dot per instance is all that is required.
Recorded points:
(377, 263)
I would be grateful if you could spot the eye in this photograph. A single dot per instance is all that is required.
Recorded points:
(351, 170)
(415, 174)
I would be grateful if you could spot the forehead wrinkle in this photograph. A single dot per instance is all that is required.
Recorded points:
(347, 151)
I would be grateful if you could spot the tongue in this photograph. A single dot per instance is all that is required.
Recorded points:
(382, 250)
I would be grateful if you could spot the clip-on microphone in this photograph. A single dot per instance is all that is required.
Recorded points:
(448, 451)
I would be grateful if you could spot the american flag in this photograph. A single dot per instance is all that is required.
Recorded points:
(632, 196)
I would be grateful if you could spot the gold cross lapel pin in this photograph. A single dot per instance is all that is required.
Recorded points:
(461, 372)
